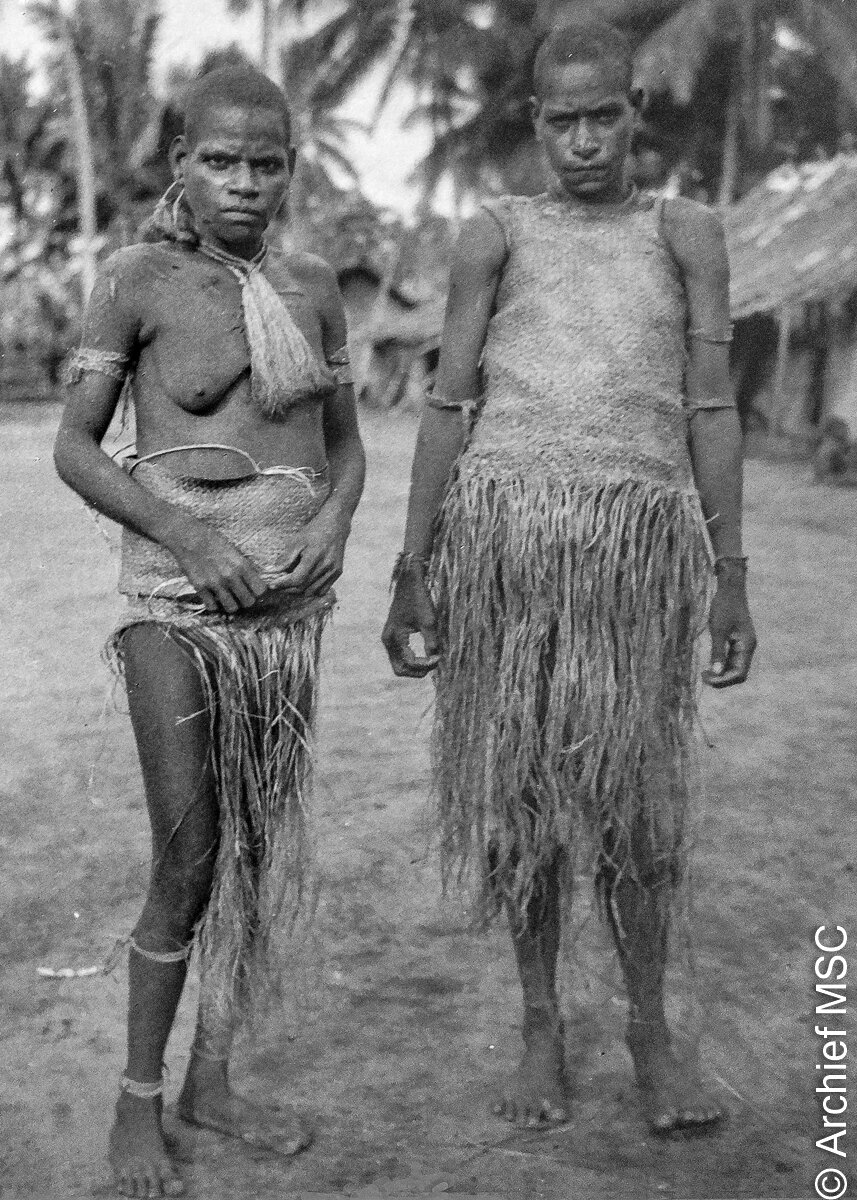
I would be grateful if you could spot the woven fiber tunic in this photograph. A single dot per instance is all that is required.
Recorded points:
(571, 564)
(585, 355)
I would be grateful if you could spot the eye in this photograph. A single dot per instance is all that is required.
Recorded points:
(217, 162)
(269, 166)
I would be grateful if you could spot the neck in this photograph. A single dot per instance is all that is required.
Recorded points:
(247, 249)
(230, 256)
(618, 193)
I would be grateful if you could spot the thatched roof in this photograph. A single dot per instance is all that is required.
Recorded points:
(794, 237)
(395, 318)
(418, 328)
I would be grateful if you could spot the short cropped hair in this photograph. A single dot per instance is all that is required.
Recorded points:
(241, 86)
(584, 42)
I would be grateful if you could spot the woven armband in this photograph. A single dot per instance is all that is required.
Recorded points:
(709, 404)
(436, 399)
(104, 362)
(714, 337)
(340, 366)
(405, 563)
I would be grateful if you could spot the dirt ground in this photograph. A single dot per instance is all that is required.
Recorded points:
(409, 1019)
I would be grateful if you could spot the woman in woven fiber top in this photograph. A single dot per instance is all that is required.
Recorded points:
(556, 560)
(236, 509)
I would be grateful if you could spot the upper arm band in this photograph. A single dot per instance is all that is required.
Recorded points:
(340, 366)
(436, 399)
(714, 337)
(709, 403)
(104, 362)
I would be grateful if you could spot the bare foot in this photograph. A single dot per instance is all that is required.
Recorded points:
(673, 1095)
(138, 1152)
(207, 1101)
(537, 1092)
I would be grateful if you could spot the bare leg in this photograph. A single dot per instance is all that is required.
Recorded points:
(638, 906)
(207, 1100)
(171, 729)
(537, 1091)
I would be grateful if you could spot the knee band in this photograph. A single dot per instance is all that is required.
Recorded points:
(163, 956)
(142, 1091)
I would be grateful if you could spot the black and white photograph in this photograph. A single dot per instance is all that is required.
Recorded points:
(428, 616)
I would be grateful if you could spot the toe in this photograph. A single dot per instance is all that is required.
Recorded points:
(528, 1116)
(132, 1185)
(554, 1112)
(173, 1186)
(664, 1122)
(701, 1116)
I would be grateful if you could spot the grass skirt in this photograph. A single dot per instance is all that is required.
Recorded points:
(569, 616)
(259, 673)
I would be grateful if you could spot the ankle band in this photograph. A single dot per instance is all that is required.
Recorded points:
(207, 1056)
(163, 956)
(143, 1091)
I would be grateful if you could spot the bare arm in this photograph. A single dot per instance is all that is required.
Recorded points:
(220, 574)
(322, 550)
(475, 276)
(696, 236)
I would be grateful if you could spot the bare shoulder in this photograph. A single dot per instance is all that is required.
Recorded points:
(695, 234)
(142, 261)
(312, 271)
(481, 247)
(127, 275)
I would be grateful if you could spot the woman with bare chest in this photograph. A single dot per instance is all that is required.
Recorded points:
(235, 513)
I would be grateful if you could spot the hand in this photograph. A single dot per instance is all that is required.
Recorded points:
(315, 556)
(412, 611)
(224, 579)
(733, 638)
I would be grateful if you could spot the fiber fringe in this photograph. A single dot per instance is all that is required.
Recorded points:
(569, 613)
(260, 685)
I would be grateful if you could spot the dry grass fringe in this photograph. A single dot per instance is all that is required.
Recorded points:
(570, 614)
(261, 687)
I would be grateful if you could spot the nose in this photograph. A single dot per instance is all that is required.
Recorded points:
(243, 180)
(585, 146)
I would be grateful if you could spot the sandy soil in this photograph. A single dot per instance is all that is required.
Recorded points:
(408, 1020)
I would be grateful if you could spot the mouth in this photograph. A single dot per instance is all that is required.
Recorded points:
(248, 215)
(582, 174)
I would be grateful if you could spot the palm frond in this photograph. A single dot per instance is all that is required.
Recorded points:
(832, 29)
(672, 59)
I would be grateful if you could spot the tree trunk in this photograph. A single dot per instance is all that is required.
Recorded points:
(85, 164)
(731, 141)
(831, 26)
(266, 46)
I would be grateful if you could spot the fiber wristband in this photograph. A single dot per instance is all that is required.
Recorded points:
(737, 560)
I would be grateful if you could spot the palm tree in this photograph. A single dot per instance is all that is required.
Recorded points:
(695, 57)
(272, 14)
(102, 79)
(59, 29)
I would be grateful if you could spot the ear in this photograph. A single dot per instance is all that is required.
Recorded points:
(177, 154)
(535, 112)
(292, 158)
(638, 99)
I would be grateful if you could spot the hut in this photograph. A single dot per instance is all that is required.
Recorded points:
(395, 336)
(793, 252)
